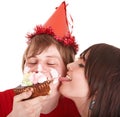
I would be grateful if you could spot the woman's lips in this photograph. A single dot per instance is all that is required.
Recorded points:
(67, 78)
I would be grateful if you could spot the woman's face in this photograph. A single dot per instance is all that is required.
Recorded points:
(75, 84)
(44, 62)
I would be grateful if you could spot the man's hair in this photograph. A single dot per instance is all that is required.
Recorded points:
(43, 41)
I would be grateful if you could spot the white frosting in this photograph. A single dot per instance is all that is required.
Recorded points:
(55, 75)
(39, 67)
(26, 69)
(34, 78)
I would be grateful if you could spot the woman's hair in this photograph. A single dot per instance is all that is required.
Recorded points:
(102, 69)
(43, 41)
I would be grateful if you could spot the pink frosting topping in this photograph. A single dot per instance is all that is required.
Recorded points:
(31, 78)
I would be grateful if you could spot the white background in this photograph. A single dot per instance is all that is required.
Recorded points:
(94, 21)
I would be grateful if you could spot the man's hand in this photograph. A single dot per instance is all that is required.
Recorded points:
(27, 108)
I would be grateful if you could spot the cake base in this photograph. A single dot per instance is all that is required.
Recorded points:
(39, 89)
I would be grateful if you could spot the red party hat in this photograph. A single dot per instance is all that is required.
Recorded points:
(57, 26)
(58, 21)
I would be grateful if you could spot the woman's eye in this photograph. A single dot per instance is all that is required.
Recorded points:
(81, 65)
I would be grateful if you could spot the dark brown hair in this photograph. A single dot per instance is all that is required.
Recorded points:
(41, 42)
(102, 70)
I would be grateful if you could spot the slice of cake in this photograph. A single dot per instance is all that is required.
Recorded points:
(38, 83)
(39, 89)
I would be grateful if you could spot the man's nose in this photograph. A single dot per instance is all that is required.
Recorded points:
(34, 68)
(39, 68)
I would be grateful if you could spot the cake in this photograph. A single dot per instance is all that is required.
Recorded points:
(39, 89)
(38, 83)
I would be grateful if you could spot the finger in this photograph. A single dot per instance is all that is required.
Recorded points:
(22, 96)
(37, 109)
(36, 100)
(33, 107)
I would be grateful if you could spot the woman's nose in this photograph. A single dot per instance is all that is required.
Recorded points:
(69, 66)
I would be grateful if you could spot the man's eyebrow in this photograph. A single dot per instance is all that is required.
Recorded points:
(51, 56)
(30, 57)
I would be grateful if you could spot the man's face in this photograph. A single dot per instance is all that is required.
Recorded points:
(47, 62)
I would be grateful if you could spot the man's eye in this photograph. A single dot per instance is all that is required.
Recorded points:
(81, 65)
(51, 63)
(31, 62)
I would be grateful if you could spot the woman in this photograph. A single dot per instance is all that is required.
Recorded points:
(93, 81)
